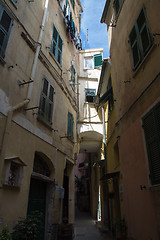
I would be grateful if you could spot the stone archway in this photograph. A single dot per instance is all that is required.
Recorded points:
(41, 192)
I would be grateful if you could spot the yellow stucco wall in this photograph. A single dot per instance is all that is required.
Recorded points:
(136, 92)
(27, 135)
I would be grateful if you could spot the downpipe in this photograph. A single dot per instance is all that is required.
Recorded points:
(25, 102)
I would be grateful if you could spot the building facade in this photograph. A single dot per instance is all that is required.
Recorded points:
(90, 131)
(112, 207)
(133, 32)
(39, 45)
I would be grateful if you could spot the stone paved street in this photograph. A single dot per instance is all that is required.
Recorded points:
(87, 229)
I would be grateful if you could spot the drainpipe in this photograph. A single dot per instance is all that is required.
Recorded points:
(104, 140)
(25, 102)
(37, 51)
(105, 185)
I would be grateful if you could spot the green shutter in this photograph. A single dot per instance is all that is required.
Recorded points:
(60, 43)
(73, 72)
(56, 45)
(140, 39)
(43, 99)
(73, 4)
(152, 137)
(98, 60)
(50, 104)
(46, 102)
(15, 1)
(54, 42)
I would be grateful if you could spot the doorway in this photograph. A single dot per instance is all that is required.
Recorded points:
(37, 202)
(66, 197)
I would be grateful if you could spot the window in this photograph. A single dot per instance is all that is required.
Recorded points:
(98, 60)
(56, 46)
(108, 96)
(117, 4)
(73, 72)
(111, 99)
(151, 125)
(5, 27)
(70, 126)
(46, 103)
(13, 168)
(140, 39)
(13, 174)
(90, 95)
(88, 63)
(40, 166)
(73, 4)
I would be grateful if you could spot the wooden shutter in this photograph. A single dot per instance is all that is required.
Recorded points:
(54, 41)
(97, 60)
(151, 127)
(60, 43)
(133, 40)
(5, 27)
(50, 104)
(73, 72)
(46, 102)
(70, 125)
(140, 39)
(144, 32)
(56, 45)
(43, 99)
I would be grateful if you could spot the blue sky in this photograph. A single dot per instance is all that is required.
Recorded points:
(97, 32)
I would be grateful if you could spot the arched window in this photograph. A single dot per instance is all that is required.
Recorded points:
(40, 166)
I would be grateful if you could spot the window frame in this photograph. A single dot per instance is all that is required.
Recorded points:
(6, 33)
(137, 42)
(86, 65)
(73, 4)
(90, 90)
(73, 77)
(120, 2)
(46, 115)
(8, 164)
(152, 140)
(58, 47)
(70, 130)
(111, 99)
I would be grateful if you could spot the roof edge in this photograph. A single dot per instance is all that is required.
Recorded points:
(105, 11)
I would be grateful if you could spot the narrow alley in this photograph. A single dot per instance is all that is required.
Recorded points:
(79, 120)
(87, 229)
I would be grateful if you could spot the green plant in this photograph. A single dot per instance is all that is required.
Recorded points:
(29, 228)
(5, 234)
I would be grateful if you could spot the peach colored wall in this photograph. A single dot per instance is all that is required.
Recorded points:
(138, 204)
(81, 158)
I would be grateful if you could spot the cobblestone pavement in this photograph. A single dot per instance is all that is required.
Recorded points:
(86, 228)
